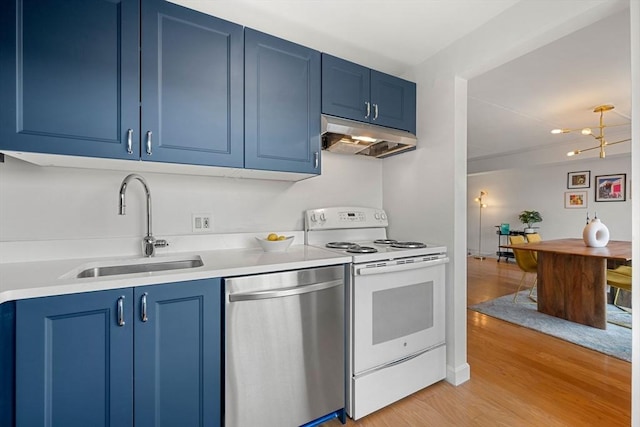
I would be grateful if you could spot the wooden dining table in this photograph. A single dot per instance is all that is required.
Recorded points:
(572, 278)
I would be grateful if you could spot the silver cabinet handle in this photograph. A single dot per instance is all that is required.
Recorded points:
(368, 109)
(149, 142)
(284, 292)
(143, 307)
(130, 141)
(316, 160)
(375, 111)
(121, 311)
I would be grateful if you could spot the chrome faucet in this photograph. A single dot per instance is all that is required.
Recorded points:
(149, 243)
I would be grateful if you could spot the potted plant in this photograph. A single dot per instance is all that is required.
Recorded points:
(529, 218)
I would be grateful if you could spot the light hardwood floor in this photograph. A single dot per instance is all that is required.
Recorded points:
(519, 377)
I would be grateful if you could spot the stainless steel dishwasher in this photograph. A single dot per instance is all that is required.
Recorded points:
(284, 348)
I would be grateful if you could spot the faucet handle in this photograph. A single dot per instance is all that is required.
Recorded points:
(148, 246)
(161, 243)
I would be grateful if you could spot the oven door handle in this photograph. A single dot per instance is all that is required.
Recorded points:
(363, 271)
(284, 292)
(397, 362)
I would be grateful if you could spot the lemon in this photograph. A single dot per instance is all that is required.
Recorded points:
(281, 237)
(272, 237)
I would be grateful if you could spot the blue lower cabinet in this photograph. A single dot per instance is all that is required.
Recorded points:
(137, 356)
(177, 366)
(74, 360)
(7, 363)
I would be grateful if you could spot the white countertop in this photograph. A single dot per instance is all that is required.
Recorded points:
(20, 280)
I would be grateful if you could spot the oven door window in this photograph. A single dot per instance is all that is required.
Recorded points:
(400, 312)
(395, 315)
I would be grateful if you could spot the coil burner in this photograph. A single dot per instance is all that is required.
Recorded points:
(357, 249)
(408, 245)
(385, 241)
(340, 245)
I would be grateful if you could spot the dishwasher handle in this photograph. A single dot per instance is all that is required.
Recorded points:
(284, 292)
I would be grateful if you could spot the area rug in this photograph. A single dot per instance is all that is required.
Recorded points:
(614, 341)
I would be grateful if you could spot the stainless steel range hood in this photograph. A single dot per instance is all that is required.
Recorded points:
(351, 137)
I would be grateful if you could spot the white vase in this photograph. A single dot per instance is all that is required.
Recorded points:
(595, 234)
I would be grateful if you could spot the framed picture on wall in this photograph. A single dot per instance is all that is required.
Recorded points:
(580, 179)
(611, 188)
(575, 199)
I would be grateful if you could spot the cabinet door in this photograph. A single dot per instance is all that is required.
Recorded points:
(69, 77)
(7, 363)
(393, 102)
(282, 105)
(192, 87)
(177, 354)
(74, 361)
(345, 89)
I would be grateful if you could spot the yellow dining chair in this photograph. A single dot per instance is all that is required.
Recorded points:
(527, 262)
(619, 278)
(534, 238)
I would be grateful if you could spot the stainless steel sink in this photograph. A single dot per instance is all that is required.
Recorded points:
(147, 267)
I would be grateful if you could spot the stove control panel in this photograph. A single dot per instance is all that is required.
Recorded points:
(352, 216)
(345, 217)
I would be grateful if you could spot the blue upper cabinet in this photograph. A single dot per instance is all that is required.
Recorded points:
(282, 105)
(147, 356)
(69, 78)
(393, 102)
(355, 92)
(192, 87)
(345, 89)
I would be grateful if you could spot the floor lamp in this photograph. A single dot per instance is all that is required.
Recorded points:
(481, 206)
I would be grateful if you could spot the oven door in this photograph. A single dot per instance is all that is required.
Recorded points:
(396, 311)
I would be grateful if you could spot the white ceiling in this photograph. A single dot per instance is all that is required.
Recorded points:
(511, 108)
(387, 35)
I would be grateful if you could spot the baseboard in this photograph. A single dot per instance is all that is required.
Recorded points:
(459, 375)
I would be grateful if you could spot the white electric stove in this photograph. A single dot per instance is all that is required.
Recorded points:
(395, 306)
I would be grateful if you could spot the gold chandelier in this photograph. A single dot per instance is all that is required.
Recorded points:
(602, 142)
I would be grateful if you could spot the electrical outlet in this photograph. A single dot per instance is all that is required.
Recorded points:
(201, 222)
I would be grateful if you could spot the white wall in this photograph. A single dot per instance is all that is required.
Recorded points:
(425, 200)
(543, 188)
(635, 165)
(52, 203)
(425, 193)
